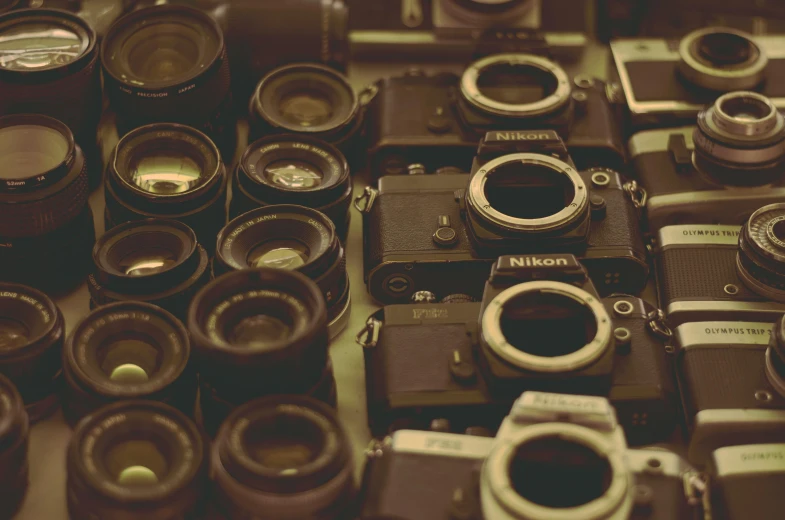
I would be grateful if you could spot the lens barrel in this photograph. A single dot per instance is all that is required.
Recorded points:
(169, 171)
(760, 261)
(285, 455)
(127, 350)
(155, 261)
(169, 64)
(258, 332)
(32, 331)
(49, 65)
(136, 456)
(8, 5)
(294, 169)
(14, 438)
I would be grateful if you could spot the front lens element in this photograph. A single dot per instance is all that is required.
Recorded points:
(35, 46)
(528, 191)
(285, 443)
(293, 174)
(144, 263)
(165, 174)
(306, 107)
(281, 254)
(30, 150)
(13, 334)
(724, 49)
(163, 51)
(259, 331)
(129, 360)
(136, 463)
(746, 108)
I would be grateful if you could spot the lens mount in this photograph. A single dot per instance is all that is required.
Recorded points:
(499, 489)
(722, 59)
(494, 338)
(573, 210)
(487, 12)
(542, 68)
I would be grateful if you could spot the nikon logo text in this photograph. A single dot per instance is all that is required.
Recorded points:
(533, 261)
(523, 136)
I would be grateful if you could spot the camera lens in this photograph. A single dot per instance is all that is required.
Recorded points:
(529, 193)
(136, 456)
(14, 430)
(169, 64)
(168, 171)
(32, 331)
(48, 65)
(775, 358)
(257, 332)
(516, 85)
(155, 261)
(740, 140)
(722, 59)
(285, 455)
(293, 238)
(547, 327)
(127, 350)
(760, 261)
(294, 170)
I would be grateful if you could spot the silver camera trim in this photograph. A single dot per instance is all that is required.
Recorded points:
(775, 380)
(731, 460)
(493, 337)
(474, 96)
(733, 126)
(693, 335)
(476, 194)
(718, 427)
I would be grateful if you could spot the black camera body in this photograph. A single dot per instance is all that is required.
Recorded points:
(427, 119)
(435, 233)
(455, 361)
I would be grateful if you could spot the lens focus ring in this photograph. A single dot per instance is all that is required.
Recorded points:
(14, 432)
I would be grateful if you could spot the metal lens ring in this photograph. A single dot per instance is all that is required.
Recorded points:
(498, 489)
(773, 374)
(557, 97)
(747, 114)
(760, 262)
(493, 335)
(765, 232)
(742, 74)
(572, 210)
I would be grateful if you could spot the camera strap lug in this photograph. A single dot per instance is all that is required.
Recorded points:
(637, 194)
(376, 447)
(367, 94)
(364, 202)
(411, 13)
(695, 491)
(369, 336)
(658, 324)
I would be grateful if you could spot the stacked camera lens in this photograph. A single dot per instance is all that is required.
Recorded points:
(156, 261)
(44, 215)
(136, 457)
(127, 350)
(167, 170)
(14, 430)
(169, 64)
(287, 456)
(761, 258)
(32, 331)
(294, 169)
(291, 238)
(49, 66)
(258, 332)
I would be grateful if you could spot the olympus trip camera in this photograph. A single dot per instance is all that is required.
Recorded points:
(709, 272)
(732, 381)
(555, 457)
(437, 120)
(717, 172)
(665, 82)
(537, 328)
(441, 233)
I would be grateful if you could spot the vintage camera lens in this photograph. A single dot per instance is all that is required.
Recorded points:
(258, 332)
(170, 171)
(547, 327)
(722, 59)
(293, 238)
(528, 193)
(14, 430)
(287, 456)
(760, 261)
(169, 64)
(32, 331)
(481, 13)
(294, 170)
(127, 350)
(740, 140)
(49, 66)
(516, 85)
(136, 456)
(155, 261)
(775, 358)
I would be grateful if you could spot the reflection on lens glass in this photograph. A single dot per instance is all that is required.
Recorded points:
(165, 174)
(516, 84)
(557, 473)
(136, 463)
(13, 334)
(280, 254)
(725, 49)
(30, 150)
(306, 108)
(293, 174)
(149, 261)
(285, 442)
(745, 108)
(258, 332)
(32, 46)
(163, 51)
(129, 360)
(528, 191)
(778, 230)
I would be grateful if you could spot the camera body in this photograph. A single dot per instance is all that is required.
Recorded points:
(731, 393)
(405, 225)
(424, 475)
(425, 119)
(455, 361)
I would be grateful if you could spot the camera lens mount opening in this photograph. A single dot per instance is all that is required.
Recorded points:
(722, 59)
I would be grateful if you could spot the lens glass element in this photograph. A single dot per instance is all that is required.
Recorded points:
(280, 254)
(30, 150)
(286, 442)
(306, 107)
(13, 334)
(259, 331)
(723, 49)
(516, 84)
(148, 261)
(136, 463)
(165, 173)
(34, 46)
(163, 51)
(129, 359)
(528, 191)
(745, 108)
(293, 174)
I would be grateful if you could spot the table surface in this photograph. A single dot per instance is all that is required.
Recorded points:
(49, 439)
